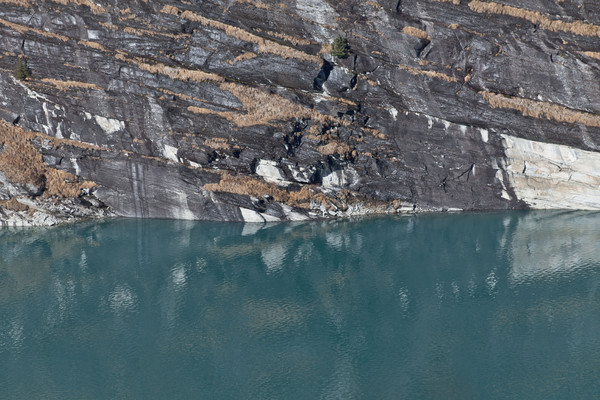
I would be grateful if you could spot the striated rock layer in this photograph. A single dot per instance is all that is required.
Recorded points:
(234, 110)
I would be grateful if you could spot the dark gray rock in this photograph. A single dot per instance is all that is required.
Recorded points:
(161, 101)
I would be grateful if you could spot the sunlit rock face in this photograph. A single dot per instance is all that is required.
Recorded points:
(237, 111)
(547, 175)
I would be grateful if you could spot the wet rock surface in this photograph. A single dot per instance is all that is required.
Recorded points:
(237, 111)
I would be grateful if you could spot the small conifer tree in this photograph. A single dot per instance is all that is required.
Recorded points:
(340, 47)
(22, 72)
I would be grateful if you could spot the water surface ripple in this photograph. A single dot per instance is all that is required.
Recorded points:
(471, 306)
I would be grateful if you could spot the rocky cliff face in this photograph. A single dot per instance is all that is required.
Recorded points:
(235, 110)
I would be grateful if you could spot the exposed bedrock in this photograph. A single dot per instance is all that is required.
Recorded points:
(236, 110)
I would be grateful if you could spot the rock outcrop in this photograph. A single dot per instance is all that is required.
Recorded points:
(235, 110)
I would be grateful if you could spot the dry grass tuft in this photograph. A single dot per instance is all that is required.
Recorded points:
(217, 143)
(578, 27)
(181, 95)
(20, 3)
(250, 186)
(415, 32)
(455, 2)
(325, 49)
(430, 74)
(64, 184)
(335, 148)
(540, 109)
(64, 85)
(147, 32)
(13, 205)
(307, 197)
(180, 74)
(22, 163)
(96, 9)
(23, 29)
(292, 39)
(263, 45)
(93, 45)
(591, 54)
(242, 57)
(257, 4)
(375, 132)
(19, 160)
(170, 10)
(200, 110)
(262, 107)
(301, 198)
(109, 26)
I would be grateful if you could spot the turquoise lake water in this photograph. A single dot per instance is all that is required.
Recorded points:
(464, 306)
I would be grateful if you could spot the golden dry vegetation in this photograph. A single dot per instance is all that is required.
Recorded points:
(576, 27)
(242, 57)
(591, 54)
(261, 107)
(217, 143)
(257, 4)
(415, 32)
(182, 95)
(93, 45)
(540, 109)
(64, 85)
(325, 49)
(22, 163)
(147, 32)
(72, 66)
(109, 26)
(96, 9)
(20, 3)
(126, 14)
(246, 185)
(375, 132)
(168, 9)
(181, 74)
(13, 205)
(292, 39)
(430, 74)
(455, 2)
(22, 29)
(262, 45)
(335, 148)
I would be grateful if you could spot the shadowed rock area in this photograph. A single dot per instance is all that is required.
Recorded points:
(235, 110)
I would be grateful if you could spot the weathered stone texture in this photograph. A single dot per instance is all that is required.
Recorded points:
(235, 110)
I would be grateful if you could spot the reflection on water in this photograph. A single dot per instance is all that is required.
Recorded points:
(122, 299)
(433, 306)
(554, 243)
